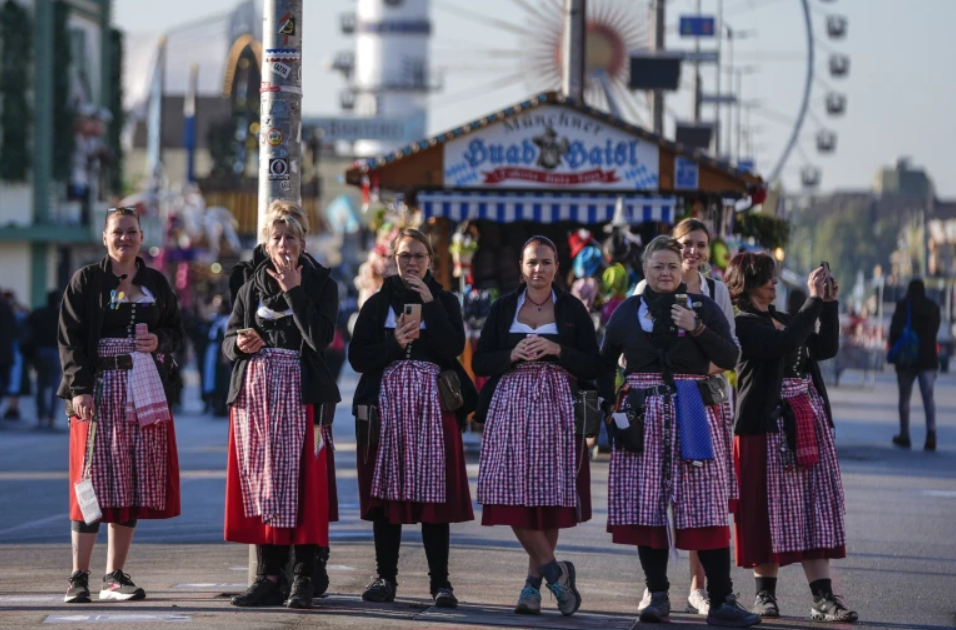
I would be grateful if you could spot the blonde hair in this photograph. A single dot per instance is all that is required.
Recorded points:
(416, 235)
(661, 244)
(289, 214)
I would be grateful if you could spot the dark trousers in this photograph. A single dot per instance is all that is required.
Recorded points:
(716, 563)
(47, 364)
(436, 540)
(273, 559)
(927, 379)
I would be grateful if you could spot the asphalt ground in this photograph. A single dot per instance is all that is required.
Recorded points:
(900, 572)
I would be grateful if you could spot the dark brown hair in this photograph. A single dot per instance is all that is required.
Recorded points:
(690, 225)
(539, 240)
(746, 272)
(122, 211)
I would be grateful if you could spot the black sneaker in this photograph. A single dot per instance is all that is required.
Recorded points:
(766, 606)
(831, 608)
(903, 441)
(117, 586)
(445, 598)
(659, 608)
(731, 614)
(263, 592)
(380, 591)
(78, 591)
(301, 594)
(12, 414)
(930, 443)
(320, 573)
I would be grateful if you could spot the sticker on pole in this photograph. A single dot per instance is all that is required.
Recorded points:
(282, 69)
(274, 137)
(278, 169)
(286, 27)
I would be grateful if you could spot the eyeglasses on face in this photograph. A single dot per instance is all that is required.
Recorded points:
(406, 258)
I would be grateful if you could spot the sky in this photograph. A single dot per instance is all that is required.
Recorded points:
(900, 91)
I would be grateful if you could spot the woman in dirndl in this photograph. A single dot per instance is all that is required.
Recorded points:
(411, 461)
(791, 496)
(119, 328)
(671, 476)
(694, 238)
(277, 478)
(537, 344)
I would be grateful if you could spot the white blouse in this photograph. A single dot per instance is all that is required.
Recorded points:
(518, 327)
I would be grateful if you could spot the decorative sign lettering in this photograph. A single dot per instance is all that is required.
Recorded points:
(552, 147)
(686, 174)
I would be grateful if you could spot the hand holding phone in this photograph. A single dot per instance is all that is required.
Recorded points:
(828, 282)
(413, 313)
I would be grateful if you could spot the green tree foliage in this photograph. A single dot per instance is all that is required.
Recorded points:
(63, 123)
(114, 133)
(16, 53)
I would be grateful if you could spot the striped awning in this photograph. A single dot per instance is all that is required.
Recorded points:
(543, 207)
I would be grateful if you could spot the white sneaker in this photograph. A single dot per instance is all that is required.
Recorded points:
(645, 602)
(698, 603)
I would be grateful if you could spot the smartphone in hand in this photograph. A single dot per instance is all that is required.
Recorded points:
(828, 283)
(413, 312)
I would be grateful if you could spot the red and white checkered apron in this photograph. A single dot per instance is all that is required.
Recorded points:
(129, 460)
(527, 451)
(638, 490)
(270, 424)
(411, 449)
(805, 505)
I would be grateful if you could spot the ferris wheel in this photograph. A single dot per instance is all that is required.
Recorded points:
(768, 71)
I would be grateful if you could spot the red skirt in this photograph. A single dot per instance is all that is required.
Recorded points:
(457, 507)
(548, 517)
(691, 539)
(79, 431)
(313, 508)
(751, 518)
(330, 472)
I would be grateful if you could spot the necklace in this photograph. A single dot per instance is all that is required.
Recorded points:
(545, 301)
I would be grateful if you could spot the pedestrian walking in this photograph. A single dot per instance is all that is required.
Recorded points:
(410, 406)
(42, 324)
(694, 238)
(19, 374)
(280, 392)
(791, 506)
(118, 331)
(538, 346)
(240, 275)
(671, 477)
(922, 316)
(8, 328)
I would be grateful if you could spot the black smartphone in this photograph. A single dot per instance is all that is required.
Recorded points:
(828, 283)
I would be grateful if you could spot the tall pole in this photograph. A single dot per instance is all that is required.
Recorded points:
(740, 79)
(720, 70)
(280, 128)
(657, 96)
(730, 85)
(573, 49)
(189, 119)
(697, 82)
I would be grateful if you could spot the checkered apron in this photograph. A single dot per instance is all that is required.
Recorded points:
(411, 451)
(642, 486)
(527, 452)
(805, 505)
(270, 423)
(129, 461)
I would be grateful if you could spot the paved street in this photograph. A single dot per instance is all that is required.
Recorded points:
(900, 572)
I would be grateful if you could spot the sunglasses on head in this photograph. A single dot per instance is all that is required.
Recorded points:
(131, 210)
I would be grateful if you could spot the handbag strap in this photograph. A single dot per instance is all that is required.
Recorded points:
(91, 443)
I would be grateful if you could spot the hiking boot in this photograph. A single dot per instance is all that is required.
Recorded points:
(731, 614)
(320, 573)
(380, 591)
(658, 610)
(300, 596)
(78, 591)
(903, 441)
(445, 598)
(697, 602)
(118, 587)
(263, 592)
(529, 602)
(565, 591)
(831, 608)
(930, 444)
(766, 606)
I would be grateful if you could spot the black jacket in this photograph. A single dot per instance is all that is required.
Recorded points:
(374, 347)
(687, 355)
(576, 336)
(764, 351)
(309, 331)
(81, 320)
(42, 324)
(925, 322)
(8, 332)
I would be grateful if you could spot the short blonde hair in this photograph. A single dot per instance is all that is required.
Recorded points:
(661, 244)
(289, 214)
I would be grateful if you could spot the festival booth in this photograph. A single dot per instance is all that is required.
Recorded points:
(596, 185)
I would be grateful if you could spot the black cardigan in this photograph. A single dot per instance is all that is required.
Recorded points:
(315, 307)
(374, 347)
(576, 336)
(81, 321)
(764, 350)
(687, 355)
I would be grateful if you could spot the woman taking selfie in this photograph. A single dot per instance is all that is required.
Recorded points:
(411, 462)
(534, 476)
(670, 476)
(791, 496)
(119, 329)
(277, 479)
